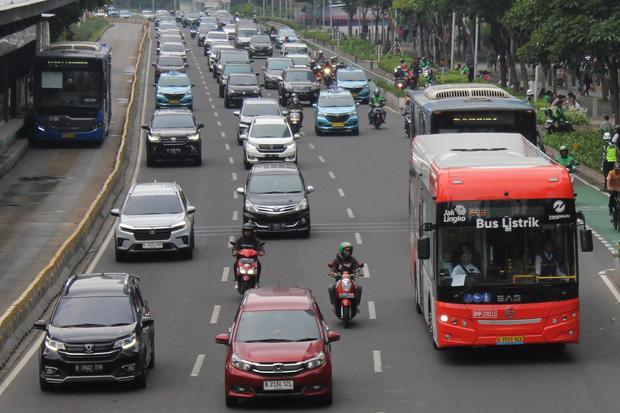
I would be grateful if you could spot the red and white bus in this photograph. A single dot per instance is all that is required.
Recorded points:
(494, 231)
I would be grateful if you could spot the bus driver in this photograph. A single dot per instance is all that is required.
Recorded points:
(464, 269)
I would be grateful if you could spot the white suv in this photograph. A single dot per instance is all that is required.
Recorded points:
(269, 138)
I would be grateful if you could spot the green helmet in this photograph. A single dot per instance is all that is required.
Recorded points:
(344, 245)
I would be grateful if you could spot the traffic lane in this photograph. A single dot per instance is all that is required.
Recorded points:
(49, 190)
(594, 204)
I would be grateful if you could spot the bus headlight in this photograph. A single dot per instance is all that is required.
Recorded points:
(443, 318)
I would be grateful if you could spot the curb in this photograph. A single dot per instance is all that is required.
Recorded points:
(13, 155)
(17, 320)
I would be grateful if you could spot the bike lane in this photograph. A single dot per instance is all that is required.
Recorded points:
(594, 205)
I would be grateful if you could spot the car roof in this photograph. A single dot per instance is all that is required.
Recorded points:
(350, 69)
(294, 44)
(335, 92)
(97, 285)
(277, 298)
(275, 168)
(154, 188)
(247, 75)
(297, 69)
(268, 120)
(292, 55)
(172, 111)
(173, 74)
(259, 101)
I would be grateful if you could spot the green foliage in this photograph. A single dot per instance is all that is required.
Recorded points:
(244, 9)
(363, 49)
(89, 30)
(316, 35)
(389, 87)
(585, 146)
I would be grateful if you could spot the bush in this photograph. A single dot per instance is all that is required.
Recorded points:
(358, 47)
(89, 30)
(388, 86)
(585, 146)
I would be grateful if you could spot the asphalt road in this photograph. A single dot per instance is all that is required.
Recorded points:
(44, 198)
(385, 362)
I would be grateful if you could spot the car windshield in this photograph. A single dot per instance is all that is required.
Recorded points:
(172, 47)
(217, 36)
(334, 101)
(261, 40)
(173, 81)
(234, 57)
(93, 312)
(300, 76)
(205, 29)
(356, 76)
(170, 61)
(152, 205)
(275, 184)
(261, 109)
(177, 120)
(277, 326)
(296, 49)
(230, 69)
(285, 33)
(246, 32)
(279, 64)
(278, 130)
(301, 60)
(242, 80)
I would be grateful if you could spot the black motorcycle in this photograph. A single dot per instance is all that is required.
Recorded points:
(554, 126)
(295, 119)
(377, 116)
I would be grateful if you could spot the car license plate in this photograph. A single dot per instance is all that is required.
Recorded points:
(278, 385)
(174, 102)
(174, 150)
(509, 340)
(354, 94)
(338, 124)
(272, 157)
(88, 368)
(276, 226)
(68, 135)
(153, 245)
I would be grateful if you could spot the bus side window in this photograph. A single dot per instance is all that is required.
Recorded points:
(422, 122)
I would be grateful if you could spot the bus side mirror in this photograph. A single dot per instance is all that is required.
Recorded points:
(585, 238)
(424, 248)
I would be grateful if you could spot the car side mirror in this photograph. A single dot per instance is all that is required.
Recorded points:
(186, 64)
(191, 209)
(154, 64)
(145, 127)
(243, 137)
(147, 321)
(200, 126)
(241, 191)
(296, 136)
(236, 113)
(40, 325)
(154, 84)
(263, 68)
(115, 212)
(223, 338)
(285, 112)
(332, 336)
(187, 50)
(193, 85)
(310, 188)
(314, 105)
(424, 248)
(261, 85)
(357, 103)
(585, 238)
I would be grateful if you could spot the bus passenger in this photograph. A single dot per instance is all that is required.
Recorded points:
(548, 262)
(463, 269)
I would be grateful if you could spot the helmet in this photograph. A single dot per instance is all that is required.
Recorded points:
(529, 92)
(607, 136)
(294, 98)
(320, 53)
(563, 148)
(402, 61)
(293, 95)
(248, 226)
(617, 165)
(343, 247)
(377, 93)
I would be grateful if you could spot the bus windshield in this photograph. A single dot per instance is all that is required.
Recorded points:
(70, 87)
(487, 121)
(506, 243)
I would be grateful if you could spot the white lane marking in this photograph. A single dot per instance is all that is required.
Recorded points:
(350, 213)
(372, 311)
(216, 314)
(215, 114)
(231, 160)
(230, 239)
(341, 192)
(358, 238)
(311, 145)
(227, 146)
(376, 358)
(211, 100)
(198, 365)
(219, 123)
(223, 135)
(234, 176)
(212, 106)
(366, 270)
(235, 195)
(208, 93)
(321, 159)
(331, 175)
(235, 215)
(22, 363)
(225, 273)
(611, 287)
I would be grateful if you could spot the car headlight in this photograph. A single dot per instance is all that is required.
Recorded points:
(126, 228)
(178, 226)
(239, 363)
(315, 362)
(288, 87)
(126, 343)
(195, 137)
(256, 91)
(54, 345)
(249, 206)
(231, 90)
(220, 66)
(321, 114)
(352, 113)
(302, 205)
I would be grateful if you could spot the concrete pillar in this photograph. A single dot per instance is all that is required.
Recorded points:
(43, 34)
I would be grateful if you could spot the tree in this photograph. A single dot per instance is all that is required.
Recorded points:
(350, 7)
(69, 14)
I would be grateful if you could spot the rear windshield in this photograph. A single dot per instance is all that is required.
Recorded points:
(234, 57)
(93, 312)
(152, 205)
(242, 80)
(277, 326)
(229, 69)
(261, 109)
(279, 64)
(173, 47)
(246, 32)
(170, 61)
(261, 40)
(299, 76)
(301, 60)
(217, 35)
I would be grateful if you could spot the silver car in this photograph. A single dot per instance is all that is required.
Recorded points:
(253, 107)
(155, 217)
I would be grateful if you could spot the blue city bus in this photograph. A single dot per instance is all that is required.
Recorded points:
(72, 100)
(470, 107)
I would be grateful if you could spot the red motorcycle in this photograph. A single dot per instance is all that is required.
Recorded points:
(247, 269)
(346, 294)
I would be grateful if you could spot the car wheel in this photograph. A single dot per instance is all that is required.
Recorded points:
(150, 160)
(45, 386)
(198, 160)
(120, 256)
(140, 381)
(209, 67)
(187, 253)
(232, 401)
(221, 91)
(306, 233)
(152, 362)
(327, 400)
(205, 52)
(318, 131)
(214, 74)
(356, 131)
(246, 164)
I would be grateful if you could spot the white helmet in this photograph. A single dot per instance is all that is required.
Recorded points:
(607, 136)
(529, 92)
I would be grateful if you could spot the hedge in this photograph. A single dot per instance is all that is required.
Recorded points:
(585, 146)
(89, 30)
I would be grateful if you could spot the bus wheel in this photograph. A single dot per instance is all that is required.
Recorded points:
(418, 307)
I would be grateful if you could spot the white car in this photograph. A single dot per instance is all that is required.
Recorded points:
(230, 30)
(100, 13)
(269, 138)
(295, 48)
(173, 49)
(148, 14)
(213, 53)
(212, 38)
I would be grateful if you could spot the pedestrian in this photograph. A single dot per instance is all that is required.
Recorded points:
(587, 82)
(470, 72)
(605, 125)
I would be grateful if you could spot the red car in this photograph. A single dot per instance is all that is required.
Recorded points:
(279, 346)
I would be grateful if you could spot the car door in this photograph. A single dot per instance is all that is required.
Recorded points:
(146, 333)
(186, 204)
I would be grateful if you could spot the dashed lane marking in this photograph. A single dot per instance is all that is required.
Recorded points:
(215, 314)
(231, 238)
(215, 114)
(235, 215)
(376, 359)
(358, 238)
(321, 159)
(219, 123)
(235, 195)
(234, 176)
(227, 146)
(341, 192)
(372, 312)
(231, 160)
(331, 175)
(225, 273)
(366, 270)
(200, 359)
(350, 213)
(223, 135)
(311, 145)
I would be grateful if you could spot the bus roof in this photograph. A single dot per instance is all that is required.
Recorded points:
(487, 166)
(466, 97)
(76, 49)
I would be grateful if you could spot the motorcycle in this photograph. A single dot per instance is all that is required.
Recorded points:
(345, 295)
(328, 75)
(294, 120)
(247, 269)
(553, 126)
(376, 115)
(192, 33)
(407, 122)
(401, 83)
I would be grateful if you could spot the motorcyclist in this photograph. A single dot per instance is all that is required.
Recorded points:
(344, 262)
(248, 240)
(376, 100)
(430, 78)
(320, 59)
(529, 97)
(401, 70)
(609, 157)
(295, 104)
(558, 113)
(565, 159)
(613, 186)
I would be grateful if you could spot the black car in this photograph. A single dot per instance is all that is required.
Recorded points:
(239, 87)
(173, 134)
(260, 45)
(274, 69)
(167, 64)
(228, 56)
(276, 198)
(100, 330)
(229, 69)
(300, 81)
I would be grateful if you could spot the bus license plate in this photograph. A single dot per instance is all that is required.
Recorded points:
(68, 135)
(278, 385)
(509, 340)
(153, 245)
(88, 368)
(338, 124)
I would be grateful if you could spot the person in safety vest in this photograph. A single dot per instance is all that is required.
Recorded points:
(610, 155)
(548, 263)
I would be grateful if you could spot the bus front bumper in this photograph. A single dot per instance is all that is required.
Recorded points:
(50, 135)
